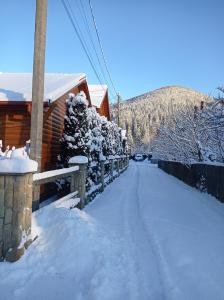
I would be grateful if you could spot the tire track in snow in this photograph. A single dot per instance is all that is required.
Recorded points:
(166, 282)
(145, 267)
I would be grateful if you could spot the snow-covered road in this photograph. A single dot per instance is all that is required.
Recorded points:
(148, 236)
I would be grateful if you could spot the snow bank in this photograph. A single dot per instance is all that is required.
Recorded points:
(17, 165)
(79, 159)
(72, 258)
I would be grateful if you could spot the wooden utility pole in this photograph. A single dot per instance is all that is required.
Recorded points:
(38, 85)
(38, 81)
(118, 109)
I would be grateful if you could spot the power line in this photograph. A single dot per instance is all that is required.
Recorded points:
(82, 11)
(71, 16)
(74, 22)
(78, 28)
(87, 27)
(101, 48)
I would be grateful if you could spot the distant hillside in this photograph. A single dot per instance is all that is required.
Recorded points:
(142, 115)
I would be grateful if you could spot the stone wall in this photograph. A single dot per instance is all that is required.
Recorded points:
(15, 214)
(206, 177)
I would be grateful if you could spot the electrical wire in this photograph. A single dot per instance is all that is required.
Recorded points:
(101, 47)
(71, 18)
(74, 22)
(88, 30)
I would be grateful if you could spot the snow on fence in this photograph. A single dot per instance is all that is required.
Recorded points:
(205, 177)
(51, 176)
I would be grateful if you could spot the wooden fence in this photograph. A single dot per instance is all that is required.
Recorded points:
(205, 177)
(16, 197)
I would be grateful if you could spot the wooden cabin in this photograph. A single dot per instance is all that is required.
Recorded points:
(16, 105)
(100, 100)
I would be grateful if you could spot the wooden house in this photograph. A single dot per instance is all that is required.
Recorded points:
(16, 105)
(100, 100)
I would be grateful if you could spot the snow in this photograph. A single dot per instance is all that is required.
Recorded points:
(79, 159)
(111, 157)
(147, 236)
(68, 201)
(49, 174)
(79, 98)
(97, 94)
(102, 157)
(18, 86)
(17, 165)
(124, 134)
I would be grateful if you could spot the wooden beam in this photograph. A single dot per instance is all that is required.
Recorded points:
(38, 81)
(38, 90)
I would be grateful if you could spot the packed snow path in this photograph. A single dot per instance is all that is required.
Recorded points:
(148, 236)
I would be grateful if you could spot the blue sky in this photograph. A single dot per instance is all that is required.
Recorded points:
(148, 44)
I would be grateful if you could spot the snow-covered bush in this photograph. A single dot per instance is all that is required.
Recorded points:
(89, 134)
(76, 136)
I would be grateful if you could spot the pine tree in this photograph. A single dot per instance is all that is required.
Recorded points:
(76, 129)
(94, 121)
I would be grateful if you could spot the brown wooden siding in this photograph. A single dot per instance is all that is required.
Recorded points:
(104, 109)
(14, 123)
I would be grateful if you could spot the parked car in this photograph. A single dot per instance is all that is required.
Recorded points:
(139, 157)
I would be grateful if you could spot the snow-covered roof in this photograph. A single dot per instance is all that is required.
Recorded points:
(18, 86)
(97, 93)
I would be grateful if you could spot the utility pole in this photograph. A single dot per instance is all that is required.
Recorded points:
(38, 89)
(118, 109)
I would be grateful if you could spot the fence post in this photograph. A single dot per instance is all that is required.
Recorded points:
(118, 166)
(111, 168)
(122, 164)
(102, 168)
(78, 181)
(15, 211)
(127, 161)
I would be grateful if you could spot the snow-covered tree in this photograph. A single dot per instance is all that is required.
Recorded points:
(105, 129)
(87, 133)
(180, 137)
(96, 139)
(142, 116)
(76, 136)
(213, 129)
(192, 134)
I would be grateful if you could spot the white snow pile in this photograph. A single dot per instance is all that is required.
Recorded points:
(72, 258)
(80, 98)
(16, 161)
(79, 159)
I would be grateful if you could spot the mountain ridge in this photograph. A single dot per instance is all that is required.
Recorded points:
(167, 87)
(142, 115)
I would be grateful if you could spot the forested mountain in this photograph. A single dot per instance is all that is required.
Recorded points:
(141, 116)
